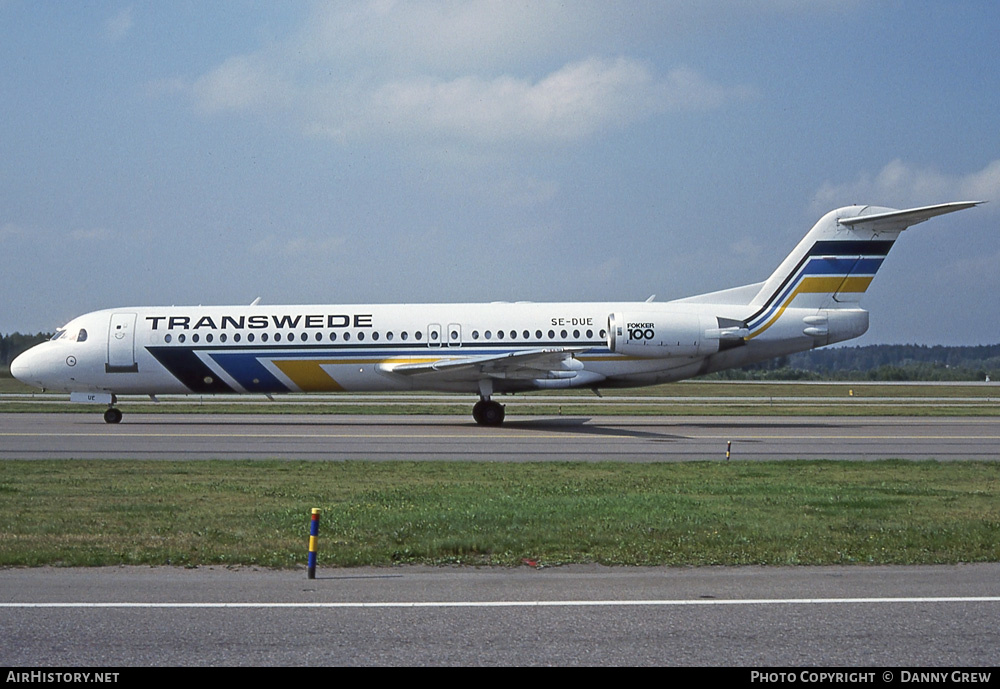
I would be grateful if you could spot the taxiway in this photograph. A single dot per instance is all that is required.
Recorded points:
(521, 438)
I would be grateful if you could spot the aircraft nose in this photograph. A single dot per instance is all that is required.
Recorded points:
(21, 368)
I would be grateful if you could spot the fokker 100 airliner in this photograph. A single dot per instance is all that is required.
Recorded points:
(811, 300)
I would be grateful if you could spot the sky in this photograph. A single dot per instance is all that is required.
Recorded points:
(159, 153)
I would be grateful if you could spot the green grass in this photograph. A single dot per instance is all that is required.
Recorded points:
(383, 513)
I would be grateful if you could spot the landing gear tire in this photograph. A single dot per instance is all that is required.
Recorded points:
(112, 415)
(488, 413)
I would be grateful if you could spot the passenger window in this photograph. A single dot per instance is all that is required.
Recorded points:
(347, 337)
(236, 337)
(223, 337)
(361, 336)
(526, 334)
(263, 337)
(475, 334)
(388, 335)
(538, 334)
(488, 335)
(167, 338)
(375, 336)
(277, 337)
(405, 335)
(250, 337)
(418, 335)
(195, 337)
(181, 338)
(576, 334)
(208, 338)
(333, 337)
(552, 334)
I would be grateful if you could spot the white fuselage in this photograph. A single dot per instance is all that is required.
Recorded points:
(277, 349)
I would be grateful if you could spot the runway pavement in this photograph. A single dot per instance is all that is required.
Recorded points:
(523, 439)
(860, 617)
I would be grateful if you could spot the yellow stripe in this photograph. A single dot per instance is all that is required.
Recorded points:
(309, 376)
(818, 285)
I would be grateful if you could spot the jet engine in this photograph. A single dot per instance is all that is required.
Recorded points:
(658, 335)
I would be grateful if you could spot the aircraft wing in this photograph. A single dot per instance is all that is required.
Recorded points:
(548, 362)
(900, 220)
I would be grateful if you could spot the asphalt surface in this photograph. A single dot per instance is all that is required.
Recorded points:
(900, 617)
(609, 438)
(579, 615)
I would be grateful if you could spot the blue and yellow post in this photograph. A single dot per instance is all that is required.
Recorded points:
(313, 541)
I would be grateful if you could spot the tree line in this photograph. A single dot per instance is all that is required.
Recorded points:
(879, 363)
(13, 344)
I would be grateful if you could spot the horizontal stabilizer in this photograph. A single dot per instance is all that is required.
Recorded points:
(900, 220)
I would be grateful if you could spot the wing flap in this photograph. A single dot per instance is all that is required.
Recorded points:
(545, 363)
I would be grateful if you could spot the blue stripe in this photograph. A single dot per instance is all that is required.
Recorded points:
(842, 266)
(246, 369)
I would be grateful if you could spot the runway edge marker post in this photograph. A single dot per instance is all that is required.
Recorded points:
(313, 541)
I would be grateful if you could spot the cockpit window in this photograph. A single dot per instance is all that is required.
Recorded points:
(59, 333)
(82, 337)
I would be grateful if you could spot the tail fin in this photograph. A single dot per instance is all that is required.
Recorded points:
(835, 262)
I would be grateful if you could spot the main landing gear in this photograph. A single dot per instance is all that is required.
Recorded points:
(487, 412)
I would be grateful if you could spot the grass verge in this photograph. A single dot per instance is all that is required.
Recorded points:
(383, 513)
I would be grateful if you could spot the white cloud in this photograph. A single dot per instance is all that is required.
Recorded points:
(119, 26)
(11, 231)
(93, 235)
(239, 83)
(901, 185)
(298, 247)
(573, 102)
(482, 71)
(499, 36)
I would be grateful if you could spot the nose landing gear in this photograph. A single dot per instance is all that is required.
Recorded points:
(113, 414)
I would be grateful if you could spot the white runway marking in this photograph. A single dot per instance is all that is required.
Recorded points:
(525, 604)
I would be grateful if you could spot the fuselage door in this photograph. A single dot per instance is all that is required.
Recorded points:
(121, 344)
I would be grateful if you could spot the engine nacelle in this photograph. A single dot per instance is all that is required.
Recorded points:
(657, 335)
